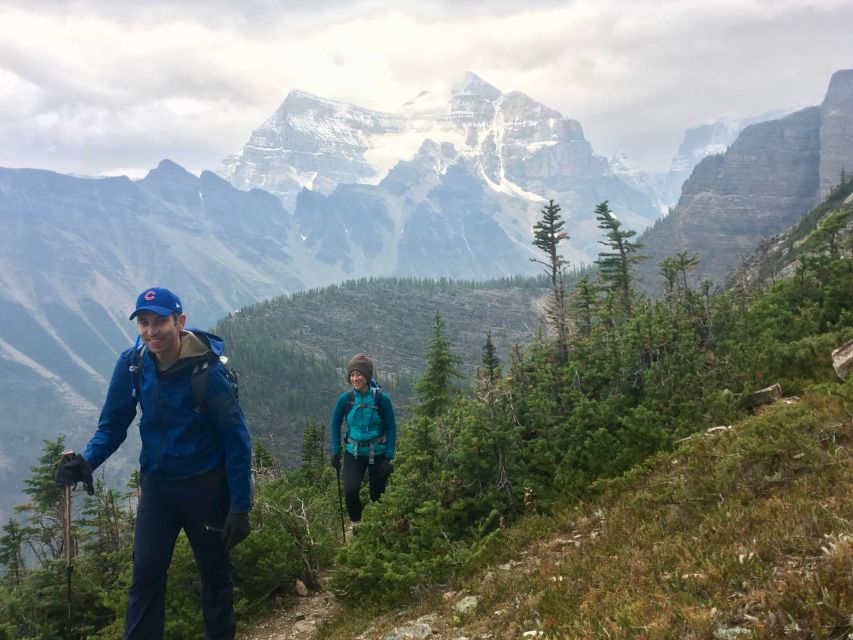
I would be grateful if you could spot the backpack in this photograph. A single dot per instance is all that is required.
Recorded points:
(377, 403)
(198, 378)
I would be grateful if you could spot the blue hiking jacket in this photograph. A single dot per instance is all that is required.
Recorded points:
(363, 424)
(177, 442)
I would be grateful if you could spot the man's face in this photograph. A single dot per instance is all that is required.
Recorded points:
(357, 380)
(161, 334)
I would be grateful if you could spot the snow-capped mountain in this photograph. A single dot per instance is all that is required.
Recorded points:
(344, 171)
(309, 143)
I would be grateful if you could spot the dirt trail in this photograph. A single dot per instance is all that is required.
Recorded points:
(296, 618)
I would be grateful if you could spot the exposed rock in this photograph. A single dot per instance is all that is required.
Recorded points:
(767, 395)
(301, 589)
(842, 359)
(304, 627)
(717, 429)
(417, 630)
(731, 633)
(467, 604)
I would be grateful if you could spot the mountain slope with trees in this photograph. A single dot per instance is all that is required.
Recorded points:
(737, 532)
(292, 350)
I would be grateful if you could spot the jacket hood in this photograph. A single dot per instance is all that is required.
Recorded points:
(213, 341)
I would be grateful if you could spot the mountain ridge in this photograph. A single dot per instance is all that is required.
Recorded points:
(770, 176)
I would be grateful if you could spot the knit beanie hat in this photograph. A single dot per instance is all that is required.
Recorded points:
(362, 364)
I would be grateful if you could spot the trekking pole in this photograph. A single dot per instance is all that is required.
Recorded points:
(69, 568)
(341, 504)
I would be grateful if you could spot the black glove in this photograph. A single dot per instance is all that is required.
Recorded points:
(386, 467)
(74, 468)
(335, 461)
(236, 528)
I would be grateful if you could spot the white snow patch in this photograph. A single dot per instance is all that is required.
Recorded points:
(510, 188)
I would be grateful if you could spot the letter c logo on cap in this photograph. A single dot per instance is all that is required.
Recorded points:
(149, 295)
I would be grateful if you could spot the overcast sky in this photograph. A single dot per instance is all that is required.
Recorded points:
(109, 87)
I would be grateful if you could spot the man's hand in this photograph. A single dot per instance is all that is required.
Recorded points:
(74, 468)
(236, 528)
(335, 461)
(386, 467)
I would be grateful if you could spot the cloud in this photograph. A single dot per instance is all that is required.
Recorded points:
(98, 85)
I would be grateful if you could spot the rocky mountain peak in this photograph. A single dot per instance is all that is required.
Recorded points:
(840, 86)
(436, 156)
(473, 85)
(169, 170)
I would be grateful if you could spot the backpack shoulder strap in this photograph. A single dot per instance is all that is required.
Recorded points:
(348, 405)
(377, 402)
(137, 359)
(198, 384)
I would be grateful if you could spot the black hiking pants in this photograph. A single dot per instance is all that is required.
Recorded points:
(354, 469)
(196, 505)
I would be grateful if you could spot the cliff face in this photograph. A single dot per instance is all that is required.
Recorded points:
(764, 183)
(836, 132)
(771, 175)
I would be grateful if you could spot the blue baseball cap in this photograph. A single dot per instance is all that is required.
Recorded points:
(158, 300)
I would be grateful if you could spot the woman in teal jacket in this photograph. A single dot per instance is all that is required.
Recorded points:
(370, 435)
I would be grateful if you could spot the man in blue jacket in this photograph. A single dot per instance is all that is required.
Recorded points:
(195, 464)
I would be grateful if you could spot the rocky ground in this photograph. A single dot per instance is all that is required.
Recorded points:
(295, 618)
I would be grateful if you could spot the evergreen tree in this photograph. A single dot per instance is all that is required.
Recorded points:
(830, 233)
(108, 524)
(314, 462)
(547, 235)
(583, 304)
(435, 388)
(617, 265)
(674, 270)
(10, 552)
(491, 363)
(46, 513)
(313, 444)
